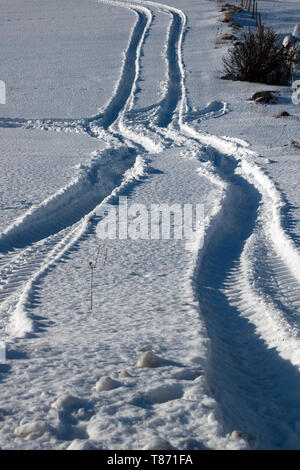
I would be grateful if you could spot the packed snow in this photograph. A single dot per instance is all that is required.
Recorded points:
(138, 341)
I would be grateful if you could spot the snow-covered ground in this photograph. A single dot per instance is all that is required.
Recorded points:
(109, 99)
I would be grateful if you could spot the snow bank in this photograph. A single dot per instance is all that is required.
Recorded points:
(79, 444)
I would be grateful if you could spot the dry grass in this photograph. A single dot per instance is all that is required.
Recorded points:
(228, 37)
(231, 8)
(295, 144)
(227, 18)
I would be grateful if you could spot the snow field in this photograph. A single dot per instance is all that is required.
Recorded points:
(216, 324)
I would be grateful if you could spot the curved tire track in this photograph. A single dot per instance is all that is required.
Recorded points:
(40, 233)
(245, 375)
(250, 395)
(173, 95)
(124, 92)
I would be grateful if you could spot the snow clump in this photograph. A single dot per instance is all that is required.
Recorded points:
(32, 430)
(106, 383)
(148, 359)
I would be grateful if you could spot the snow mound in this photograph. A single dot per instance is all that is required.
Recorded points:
(148, 359)
(237, 435)
(165, 393)
(32, 430)
(296, 32)
(157, 443)
(124, 374)
(68, 402)
(79, 444)
(287, 40)
(106, 383)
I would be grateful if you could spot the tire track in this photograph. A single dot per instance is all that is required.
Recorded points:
(250, 395)
(173, 95)
(125, 89)
(70, 204)
(246, 367)
(36, 241)
(250, 317)
(245, 375)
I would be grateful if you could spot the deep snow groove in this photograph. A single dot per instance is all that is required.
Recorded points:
(128, 75)
(53, 227)
(173, 95)
(246, 377)
(94, 182)
(50, 230)
(254, 342)
(282, 257)
(14, 311)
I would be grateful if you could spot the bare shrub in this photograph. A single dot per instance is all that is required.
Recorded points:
(260, 57)
(295, 144)
(227, 17)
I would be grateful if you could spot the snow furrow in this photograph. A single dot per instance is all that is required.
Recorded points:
(252, 174)
(71, 206)
(126, 84)
(173, 94)
(272, 332)
(94, 182)
(245, 373)
(15, 310)
(250, 191)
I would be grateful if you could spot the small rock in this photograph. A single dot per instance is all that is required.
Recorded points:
(227, 17)
(228, 37)
(295, 144)
(282, 114)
